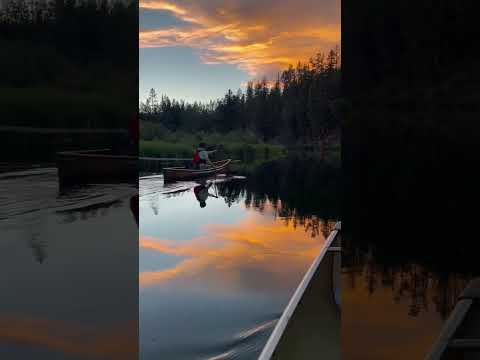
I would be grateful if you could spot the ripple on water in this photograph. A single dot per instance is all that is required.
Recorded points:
(246, 344)
(35, 191)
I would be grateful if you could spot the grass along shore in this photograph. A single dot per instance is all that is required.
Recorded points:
(157, 141)
(245, 152)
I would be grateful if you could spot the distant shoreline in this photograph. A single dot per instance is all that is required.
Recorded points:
(49, 130)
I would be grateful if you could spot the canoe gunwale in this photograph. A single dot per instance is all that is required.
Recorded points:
(447, 339)
(181, 173)
(93, 154)
(280, 327)
(180, 168)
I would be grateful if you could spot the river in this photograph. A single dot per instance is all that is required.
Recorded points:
(215, 278)
(68, 268)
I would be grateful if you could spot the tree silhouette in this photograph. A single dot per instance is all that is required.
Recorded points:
(295, 108)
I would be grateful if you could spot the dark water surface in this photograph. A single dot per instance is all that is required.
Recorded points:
(214, 280)
(68, 264)
(397, 295)
(401, 308)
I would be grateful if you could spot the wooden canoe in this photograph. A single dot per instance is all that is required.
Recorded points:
(184, 173)
(460, 336)
(311, 320)
(89, 166)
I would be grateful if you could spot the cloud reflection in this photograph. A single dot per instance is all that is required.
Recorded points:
(257, 252)
(117, 343)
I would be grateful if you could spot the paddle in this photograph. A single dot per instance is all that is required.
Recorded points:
(215, 187)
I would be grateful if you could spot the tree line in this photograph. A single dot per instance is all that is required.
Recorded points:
(68, 64)
(298, 107)
(53, 42)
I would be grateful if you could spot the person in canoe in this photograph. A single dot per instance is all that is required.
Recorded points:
(202, 194)
(201, 157)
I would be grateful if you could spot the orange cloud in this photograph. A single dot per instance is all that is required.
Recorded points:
(260, 38)
(162, 5)
(225, 254)
(168, 6)
(116, 343)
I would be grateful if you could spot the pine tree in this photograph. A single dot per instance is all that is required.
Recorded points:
(152, 102)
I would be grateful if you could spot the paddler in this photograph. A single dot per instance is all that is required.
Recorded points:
(201, 157)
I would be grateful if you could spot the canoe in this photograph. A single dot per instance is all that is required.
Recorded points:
(91, 166)
(460, 336)
(184, 173)
(311, 320)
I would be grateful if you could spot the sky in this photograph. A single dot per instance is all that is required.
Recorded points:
(195, 50)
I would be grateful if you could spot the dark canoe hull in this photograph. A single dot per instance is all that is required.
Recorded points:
(460, 335)
(79, 167)
(182, 173)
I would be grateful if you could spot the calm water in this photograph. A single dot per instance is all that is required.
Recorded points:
(66, 258)
(392, 303)
(215, 279)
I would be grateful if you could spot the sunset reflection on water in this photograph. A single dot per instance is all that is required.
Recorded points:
(224, 254)
(217, 272)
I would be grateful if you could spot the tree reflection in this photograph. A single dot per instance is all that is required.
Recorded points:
(39, 248)
(301, 190)
(88, 211)
(413, 282)
(39, 244)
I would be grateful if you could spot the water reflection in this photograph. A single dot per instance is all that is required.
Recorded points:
(201, 193)
(273, 253)
(66, 257)
(214, 279)
(407, 302)
(23, 338)
(39, 248)
(413, 284)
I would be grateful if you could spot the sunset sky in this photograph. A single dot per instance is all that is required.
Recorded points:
(197, 50)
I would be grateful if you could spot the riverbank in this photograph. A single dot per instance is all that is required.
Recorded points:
(244, 151)
(242, 145)
(41, 144)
